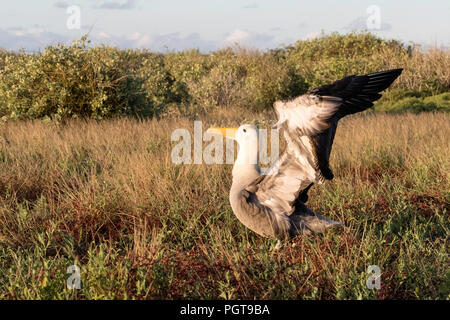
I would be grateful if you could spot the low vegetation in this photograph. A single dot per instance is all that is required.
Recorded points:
(105, 196)
(81, 81)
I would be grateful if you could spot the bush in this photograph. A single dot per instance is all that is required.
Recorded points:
(72, 81)
(3, 57)
(335, 56)
(418, 104)
(244, 78)
(221, 85)
(184, 68)
(98, 82)
(269, 79)
(158, 83)
(331, 57)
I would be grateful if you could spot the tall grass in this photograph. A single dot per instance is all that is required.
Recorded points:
(106, 197)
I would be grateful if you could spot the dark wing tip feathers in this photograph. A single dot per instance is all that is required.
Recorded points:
(363, 90)
(380, 81)
(358, 91)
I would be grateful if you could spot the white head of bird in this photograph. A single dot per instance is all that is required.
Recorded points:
(246, 165)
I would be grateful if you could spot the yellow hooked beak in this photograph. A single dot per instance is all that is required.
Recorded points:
(226, 132)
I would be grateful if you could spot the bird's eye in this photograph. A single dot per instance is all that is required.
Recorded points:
(245, 130)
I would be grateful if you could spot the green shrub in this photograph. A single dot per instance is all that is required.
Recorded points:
(3, 56)
(158, 82)
(331, 57)
(334, 56)
(185, 67)
(244, 78)
(269, 79)
(72, 81)
(98, 82)
(222, 84)
(439, 102)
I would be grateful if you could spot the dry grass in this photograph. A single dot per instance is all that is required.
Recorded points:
(106, 196)
(424, 70)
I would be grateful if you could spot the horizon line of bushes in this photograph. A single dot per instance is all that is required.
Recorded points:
(77, 80)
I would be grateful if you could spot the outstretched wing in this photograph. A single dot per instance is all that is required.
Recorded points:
(358, 94)
(309, 122)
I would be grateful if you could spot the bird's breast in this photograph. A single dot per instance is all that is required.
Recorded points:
(257, 217)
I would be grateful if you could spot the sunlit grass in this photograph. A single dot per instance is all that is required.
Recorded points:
(106, 197)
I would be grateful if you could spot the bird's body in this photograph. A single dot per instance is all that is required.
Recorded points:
(273, 204)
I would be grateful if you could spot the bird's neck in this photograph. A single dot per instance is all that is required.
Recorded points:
(246, 167)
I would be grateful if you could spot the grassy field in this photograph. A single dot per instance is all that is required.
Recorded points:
(105, 196)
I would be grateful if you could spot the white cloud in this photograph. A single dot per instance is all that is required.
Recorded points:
(128, 4)
(249, 39)
(157, 42)
(21, 32)
(360, 24)
(36, 38)
(140, 40)
(313, 35)
(61, 4)
(34, 31)
(30, 39)
(102, 34)
(134, 36)
(237, 36)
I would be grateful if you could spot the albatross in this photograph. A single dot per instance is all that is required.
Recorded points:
(272, 204)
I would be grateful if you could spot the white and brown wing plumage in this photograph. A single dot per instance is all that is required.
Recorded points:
(309, 123)
(307, 115)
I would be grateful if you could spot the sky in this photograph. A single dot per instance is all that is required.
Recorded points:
(163, 25)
